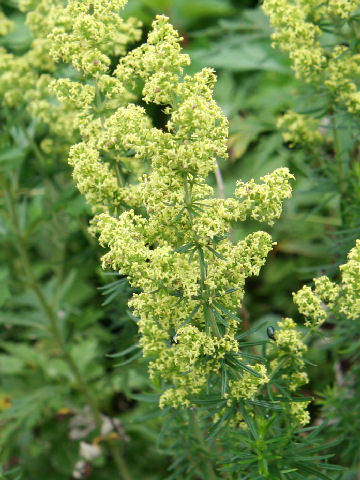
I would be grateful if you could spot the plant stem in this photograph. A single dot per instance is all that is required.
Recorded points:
(54, 328)
(210, 473)
(219, 181)
(341, 174)
(35, 148)
(213, 324)
(203, 274)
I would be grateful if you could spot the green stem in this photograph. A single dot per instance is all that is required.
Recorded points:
(337, 150)
(118, 173)
(214, 325)
(99, 104)
(210, 473)
(203, 274)
(100, 110)
(343, 187)
(39, 156)
(54, 328)
(219, 181)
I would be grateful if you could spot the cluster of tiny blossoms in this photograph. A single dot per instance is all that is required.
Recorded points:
(6, 26)
(298, 31)
(167, 232)
(26, 81)
(300, 129)
(20, 74)
(87, 35)
(325, 299)
(288, 363)
(90, 32)
(328, 298)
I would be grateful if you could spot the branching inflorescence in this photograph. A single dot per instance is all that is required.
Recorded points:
(168, 233)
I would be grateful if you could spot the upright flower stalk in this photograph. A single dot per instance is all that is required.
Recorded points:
(173, 245)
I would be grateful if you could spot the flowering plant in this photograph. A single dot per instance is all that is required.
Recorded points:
(226, 397)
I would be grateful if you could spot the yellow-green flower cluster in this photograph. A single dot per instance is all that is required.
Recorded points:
(158, 62)
(342, 8)
(24, 79)
(295, 379)
(299, 129)
(19, 74)
(343, 69)
(297, 35)
(41, 18)
(298, 31)
(94, 178)
(299, 412)
(88, 32)
(288, 338)
(287, 352)
(167, 233)
(263, 202)
(248, 385)
(27, 80)
(349, 296)
(311, 306)
(15, 78)
(6, 25)
(328, 297)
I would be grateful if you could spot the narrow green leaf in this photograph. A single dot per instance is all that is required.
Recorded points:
(124, 352)
(226, 311)
(146, 397)
(217, 254)
(190, 317)
(129, 360)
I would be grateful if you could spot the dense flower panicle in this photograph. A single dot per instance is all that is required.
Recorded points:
(19, 74)
(15, 78)
(84, 104)
(24, 79)
(311, 306)
(41, 17)
(167, 233)
(94, 178)
(342, 72)
(67, 91)
(342, 8)
(349, 298)
(299, 412)
(298, 36)
(288, 338)
(298, 31)
(178, 254)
